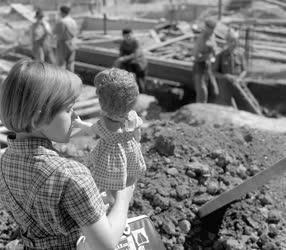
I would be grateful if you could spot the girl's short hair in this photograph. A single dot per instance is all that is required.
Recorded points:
(117, 91)
(34, 92)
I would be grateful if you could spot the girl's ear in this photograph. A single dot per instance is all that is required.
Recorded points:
(35, 119)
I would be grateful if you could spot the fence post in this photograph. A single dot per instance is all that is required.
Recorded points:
(247, 46)
(104, 24)
(219, 9)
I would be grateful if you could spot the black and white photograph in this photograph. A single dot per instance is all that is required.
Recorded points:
(142, 125)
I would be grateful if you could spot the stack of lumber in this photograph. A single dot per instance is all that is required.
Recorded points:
(265, 45)
(279, 3)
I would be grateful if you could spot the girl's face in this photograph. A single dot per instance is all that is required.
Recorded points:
(60, 128)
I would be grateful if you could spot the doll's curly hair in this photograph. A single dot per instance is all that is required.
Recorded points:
(117, 91)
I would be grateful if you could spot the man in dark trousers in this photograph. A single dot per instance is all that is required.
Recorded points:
(131, 58)
(204, 55)
(230, 71)
(66, 30)
(41, 39)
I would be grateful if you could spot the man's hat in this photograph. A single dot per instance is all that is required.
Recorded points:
(210, 23)
(65, 9)
(39, 13)
(232, 35)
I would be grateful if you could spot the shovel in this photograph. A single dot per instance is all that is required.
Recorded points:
(249, 185)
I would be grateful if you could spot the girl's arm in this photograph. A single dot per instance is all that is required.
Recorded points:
(82, 201)
(106, 233)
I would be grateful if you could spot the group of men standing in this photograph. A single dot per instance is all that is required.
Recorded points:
(131, 56)
(217, 68)
(65, 32)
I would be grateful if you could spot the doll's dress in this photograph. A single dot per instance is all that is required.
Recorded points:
(117, 155)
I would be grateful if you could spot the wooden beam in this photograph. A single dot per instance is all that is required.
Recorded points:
(278, 3)
(254, 21)
(155, 36)
(96, 41)
(83, 67)
(173, 70)
(262, 47)
(94, 111)
(247, 186)
(271, 56)
(86, 103)
(170, 41)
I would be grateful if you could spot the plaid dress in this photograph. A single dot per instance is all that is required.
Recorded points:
(49, 196)
(117, 155)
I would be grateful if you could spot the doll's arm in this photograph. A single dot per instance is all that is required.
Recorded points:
(138, 134)
(133, 121)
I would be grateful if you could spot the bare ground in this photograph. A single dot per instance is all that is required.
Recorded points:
(189, 163)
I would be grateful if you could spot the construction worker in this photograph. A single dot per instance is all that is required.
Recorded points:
(131, 58)
(230, 70)
(204, 55)
(230, 62)
(41, 39)
(66, 30)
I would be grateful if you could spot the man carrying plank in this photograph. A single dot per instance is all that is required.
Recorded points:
(41, 39)
(66, 30)
(204, 55)
(230, 70)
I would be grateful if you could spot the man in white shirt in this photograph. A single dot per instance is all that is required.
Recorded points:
(41, 39)
(66, 30)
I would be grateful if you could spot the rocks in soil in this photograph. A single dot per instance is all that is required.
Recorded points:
(189, 165)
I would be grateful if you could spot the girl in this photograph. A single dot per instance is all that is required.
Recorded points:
(53, 199)
(116, 161)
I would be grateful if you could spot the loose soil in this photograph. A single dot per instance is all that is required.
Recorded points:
(189, 163)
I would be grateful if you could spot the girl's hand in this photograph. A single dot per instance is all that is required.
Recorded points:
(77, 122)
(125, 194)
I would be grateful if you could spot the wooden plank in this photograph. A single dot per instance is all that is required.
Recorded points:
(94, 111)
(155, 36)
(278, 3)
(254, 21)
(85, 103)
(97, 41)
(173, 70)
(267, 49)
(81, 67)
(270, 45)
(23, 11)
(170, 41)
(277, 57)
(117, 23)
(279, 31)
(247, 186)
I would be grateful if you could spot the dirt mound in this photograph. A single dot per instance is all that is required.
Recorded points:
(189, 164)
(218, 115)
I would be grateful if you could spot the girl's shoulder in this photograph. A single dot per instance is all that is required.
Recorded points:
(62, 166)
